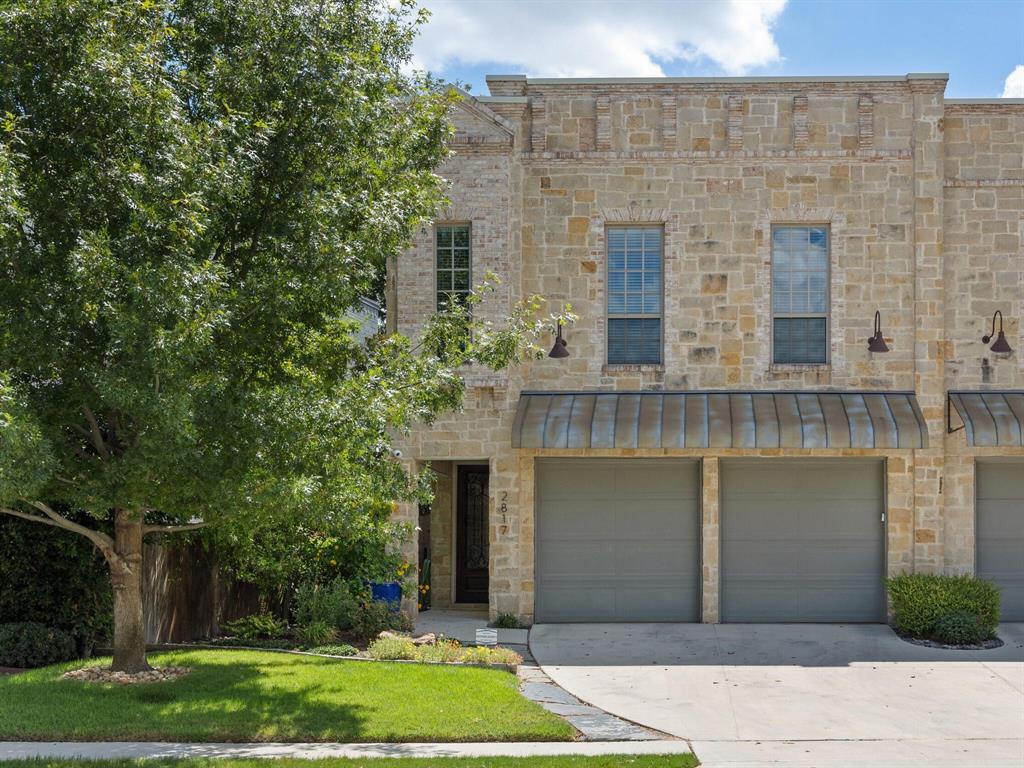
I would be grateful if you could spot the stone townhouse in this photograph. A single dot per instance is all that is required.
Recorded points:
(777, 391)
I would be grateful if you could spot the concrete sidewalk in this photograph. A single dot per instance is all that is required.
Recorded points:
(14, 750)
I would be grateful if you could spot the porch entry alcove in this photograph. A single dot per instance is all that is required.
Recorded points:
(793, 538)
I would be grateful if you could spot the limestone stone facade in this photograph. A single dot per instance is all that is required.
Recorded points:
(924, 199)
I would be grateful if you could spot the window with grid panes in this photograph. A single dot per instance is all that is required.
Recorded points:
(453, 263)
(800, 294)
(635, 280)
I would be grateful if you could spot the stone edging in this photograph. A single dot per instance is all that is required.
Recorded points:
(593, 723)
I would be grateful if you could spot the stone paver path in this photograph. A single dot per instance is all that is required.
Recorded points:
(595, 724)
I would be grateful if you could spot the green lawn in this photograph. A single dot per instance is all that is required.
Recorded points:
(608, 761)
(262, 696)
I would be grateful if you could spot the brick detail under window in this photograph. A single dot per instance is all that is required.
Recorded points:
(800, 122)
(865, 122)
(538, 125)
(668, 123)
(604, 124)
(735, 126)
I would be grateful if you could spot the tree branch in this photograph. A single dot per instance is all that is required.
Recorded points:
(102, 541)
(97, 435)
(29, 516)
(146, 529)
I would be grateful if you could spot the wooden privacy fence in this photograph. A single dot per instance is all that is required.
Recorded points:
(185, 595)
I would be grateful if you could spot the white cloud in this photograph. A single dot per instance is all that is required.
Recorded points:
(598, 38)
(1014, 86)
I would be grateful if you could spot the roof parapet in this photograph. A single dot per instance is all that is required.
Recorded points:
(515, 85)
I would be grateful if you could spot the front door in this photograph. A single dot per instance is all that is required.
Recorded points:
(471, 535)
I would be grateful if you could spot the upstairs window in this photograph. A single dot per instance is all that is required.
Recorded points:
(800, 294)
(452, 263)
(635, 281)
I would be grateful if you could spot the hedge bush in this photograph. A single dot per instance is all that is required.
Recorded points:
(28, 644)
(959, 628)
(920, 600)
(56, 578)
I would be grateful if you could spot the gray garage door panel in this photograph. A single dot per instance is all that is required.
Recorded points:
(802, 540)
(617, 540)
(1000, 531)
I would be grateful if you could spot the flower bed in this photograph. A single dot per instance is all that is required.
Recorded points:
(389, 646)
(401, 648)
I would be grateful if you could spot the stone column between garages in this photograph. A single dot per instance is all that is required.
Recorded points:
(899, 510)
(710, 528)
(929, 311)
(527, 554)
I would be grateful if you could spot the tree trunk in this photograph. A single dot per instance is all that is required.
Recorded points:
(126, 575)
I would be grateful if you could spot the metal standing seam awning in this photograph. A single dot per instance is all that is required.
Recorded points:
(990, 418)
(719, 420)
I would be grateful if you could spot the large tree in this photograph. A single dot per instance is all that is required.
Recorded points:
(192, 193)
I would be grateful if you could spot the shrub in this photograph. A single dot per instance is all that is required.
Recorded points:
(372, 619)
(343, 649)
(404, 622)
(482, 655)
(318, 633)
(959, 628)
(506, 621)
(56, 578)
(392, 649)
(442, 650)
(29, 644)
(332, 604)
(919, 600)
(256, 626)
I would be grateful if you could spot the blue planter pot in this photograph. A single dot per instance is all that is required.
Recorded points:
(389, 592)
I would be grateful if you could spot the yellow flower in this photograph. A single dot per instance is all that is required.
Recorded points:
(333, 561)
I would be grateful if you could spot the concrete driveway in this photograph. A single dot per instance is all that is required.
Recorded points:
(799, 695)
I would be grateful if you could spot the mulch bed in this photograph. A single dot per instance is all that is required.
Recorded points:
(987, 645)
(10, 670)
(105, 675)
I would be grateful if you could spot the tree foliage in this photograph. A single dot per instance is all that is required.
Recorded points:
(193, 194)
(54, 578)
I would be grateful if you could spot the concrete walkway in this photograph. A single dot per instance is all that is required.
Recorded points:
(821, 695)
(13, 750)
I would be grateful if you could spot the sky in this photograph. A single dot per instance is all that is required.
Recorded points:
(980, 43)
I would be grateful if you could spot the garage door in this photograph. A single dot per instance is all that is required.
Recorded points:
(802, 540)
(1000, 531)
(617, 540)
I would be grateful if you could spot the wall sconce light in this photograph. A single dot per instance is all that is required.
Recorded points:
(1001, 346)
(560, 348)
(876, 343)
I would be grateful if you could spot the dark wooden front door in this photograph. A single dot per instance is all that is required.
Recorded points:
(471, 536)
